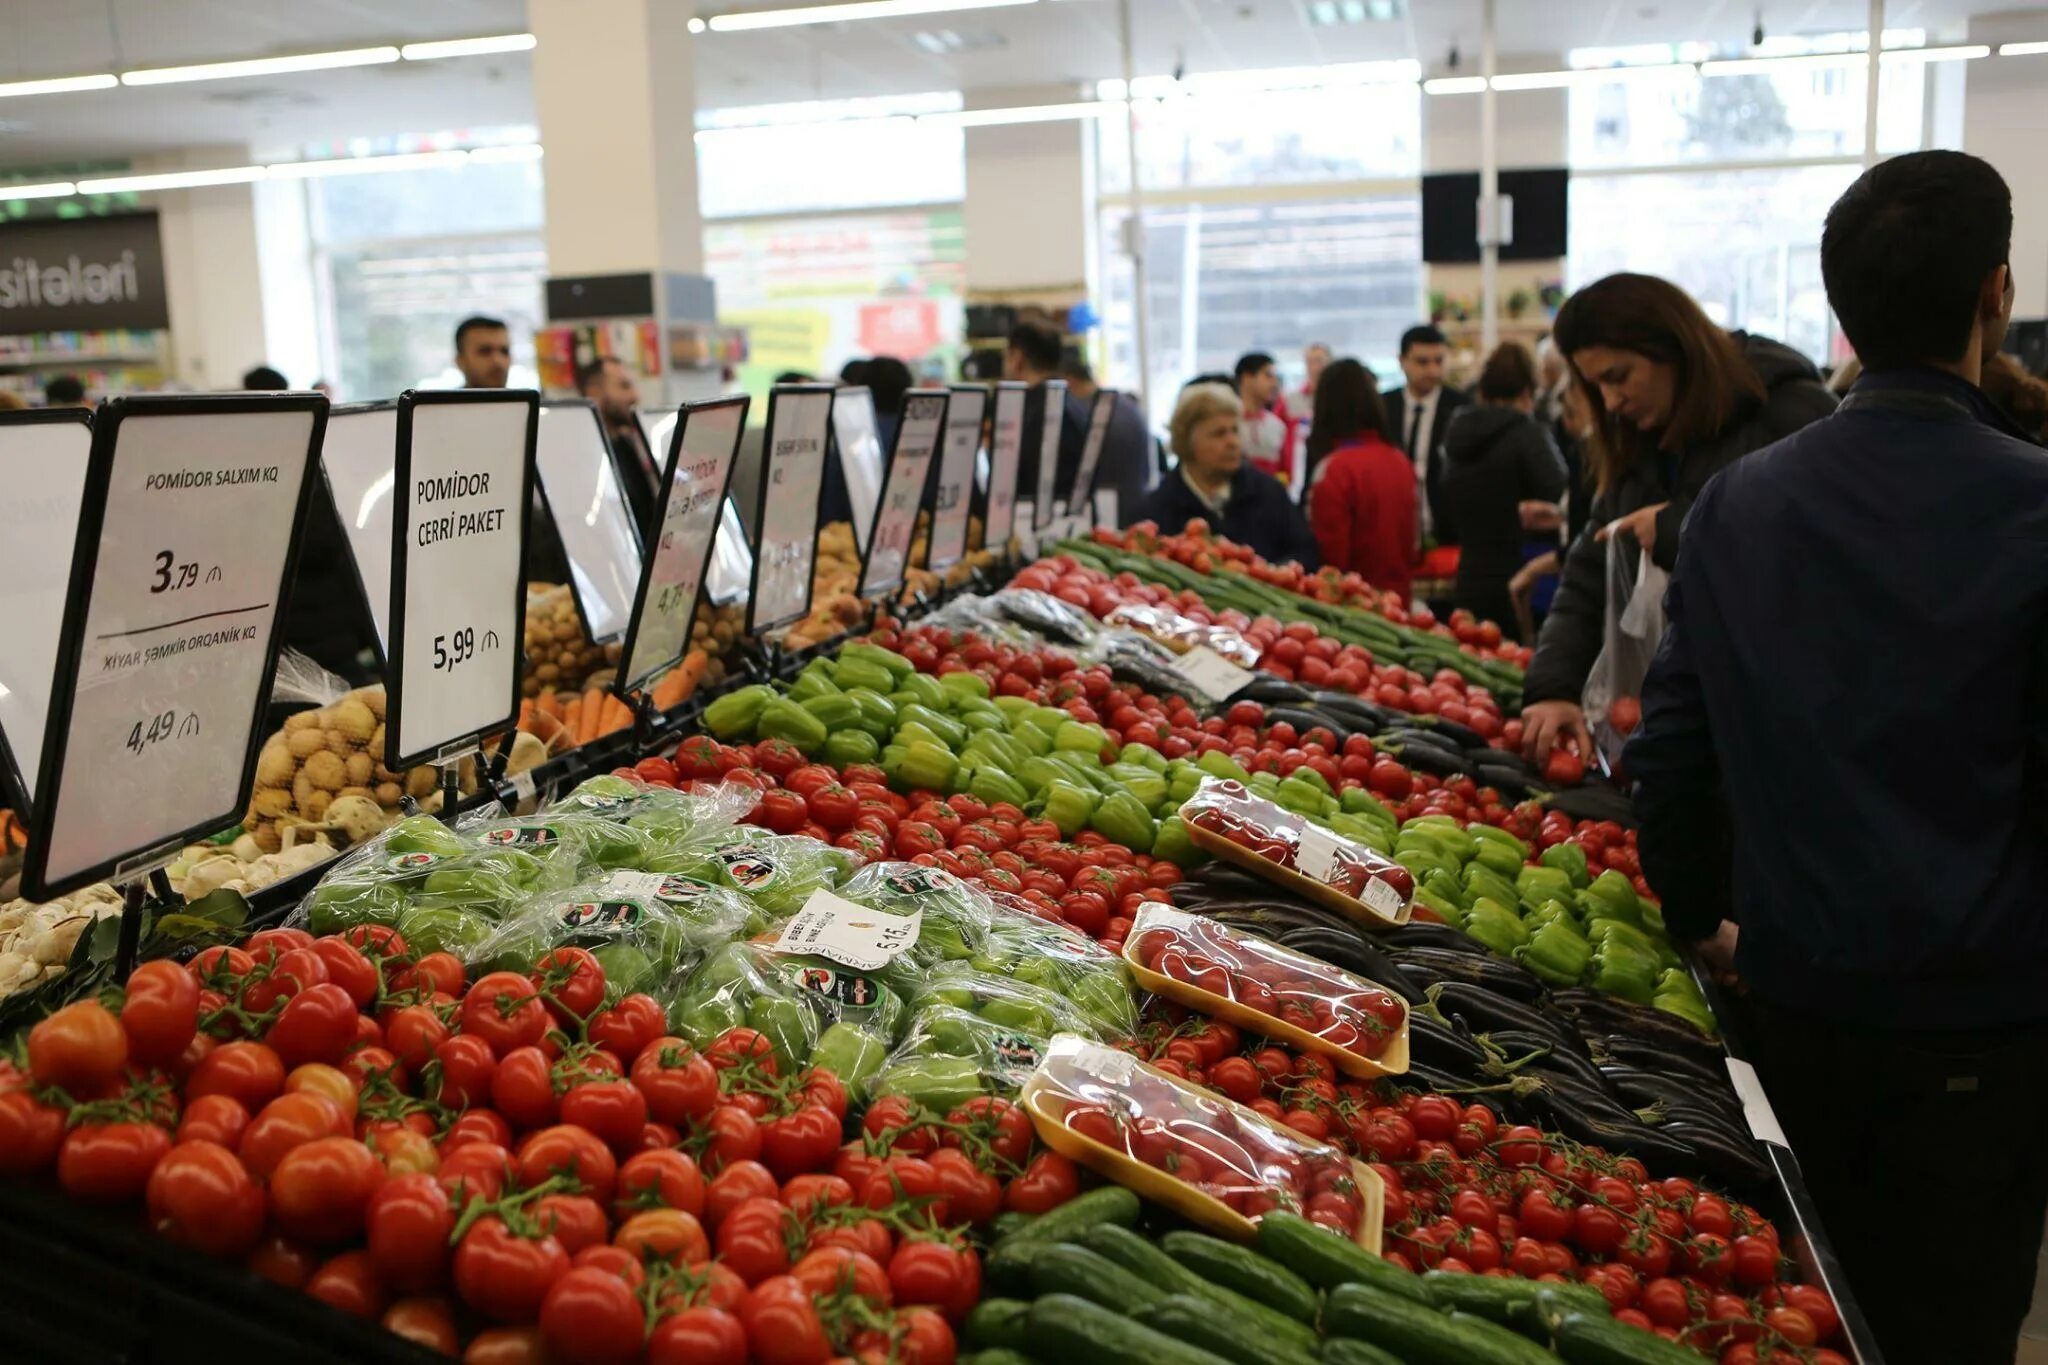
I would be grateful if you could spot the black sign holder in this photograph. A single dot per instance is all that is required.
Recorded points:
(760, 629)
(945, 398)
(14, 785)
(984, 493)
(355, 568)
(1081, 497)
(612, 461)
(139, 871)
(635, 691)
(448, 753)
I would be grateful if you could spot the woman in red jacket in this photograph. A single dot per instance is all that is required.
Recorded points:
(1361, 489)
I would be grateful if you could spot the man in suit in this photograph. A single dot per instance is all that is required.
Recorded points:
(1420, 412)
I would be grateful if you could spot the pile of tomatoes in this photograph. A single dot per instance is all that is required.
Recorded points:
(513, 1163)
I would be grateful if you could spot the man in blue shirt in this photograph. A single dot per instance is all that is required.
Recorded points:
(1842, 767)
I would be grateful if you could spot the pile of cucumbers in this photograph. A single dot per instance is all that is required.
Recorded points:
(1082, 1285)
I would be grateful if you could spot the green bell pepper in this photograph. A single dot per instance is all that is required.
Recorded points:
(982, 720)
(844, 748)
(1144, 755)
(852, 673)
(1493, 924)
(734, 715)
(999, 747)
(1614, 887)
(1172, 844)
(1013, 707)
(838, 712)
(1216, 763)
(877, 712)
(1446, 886)
(1149, 787)
(1569, 859)
(964, 684)
(1079, 738)
(1362, 831)
(1481, 880)
(1448, 830)
(1048, 719)
(1121, 818)
(1083, 769)
(1314, 779)
(899, 667)
(1621, 971)
(1497, 856)
(927, 765)
(940, 1084)
(950, 732)
(1031, 739)
(1556, 953)
(1543, 882)
(1068, 805)
(920, 689)
(993, 785)
(786, 719)
(1494, 834)
(852, 1054)
(1303, 798)
(814, 681)
(1037, 774)
(1448, 910)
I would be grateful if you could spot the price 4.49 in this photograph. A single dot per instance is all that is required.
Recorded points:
(159, 728)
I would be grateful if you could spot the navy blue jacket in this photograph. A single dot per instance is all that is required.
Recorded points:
(1259, 514)
(1842, 745)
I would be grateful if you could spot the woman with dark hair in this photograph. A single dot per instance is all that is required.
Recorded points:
(1361, 490)
(1502, 477)
(1673, 400)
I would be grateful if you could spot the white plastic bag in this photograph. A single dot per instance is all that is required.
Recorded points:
(1634, 625)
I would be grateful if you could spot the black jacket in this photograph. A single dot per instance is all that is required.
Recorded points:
(1494, 458)
(1572, 633)
(1259, 514)
(1442, 525)
(1845, 733)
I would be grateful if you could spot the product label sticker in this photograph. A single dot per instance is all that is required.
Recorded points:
(411, 862)
(1756, 1107)
(1316, 858)
(666, 886)
(1105, 1064)
(1381, 899)
(832, 927)
(854, 990)
(909, 879)
(749, 871)
(1017, 1055)
(522, 836)
(1212, 675)
(603, 917)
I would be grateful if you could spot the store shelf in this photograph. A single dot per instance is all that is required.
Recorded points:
(84, 360)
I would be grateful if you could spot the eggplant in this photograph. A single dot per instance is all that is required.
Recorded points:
(1595, 801)
(1464, 736)
(1271, 691)
(1737, 1162)
(1598, 1012)
(1423, 934)
(1485, 1011)
(1419, 1076)
(1632, 1054)
(1304, 720)
(1428, 758)
(1408, 731)
(1496, 974)
(1644, 1087)
(1437, 1045)
(1521, 1042)
(1379, 715)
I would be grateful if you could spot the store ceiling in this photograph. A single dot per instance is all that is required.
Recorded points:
(1055, 42)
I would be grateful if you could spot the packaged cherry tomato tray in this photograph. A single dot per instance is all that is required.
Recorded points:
(1215, 1162)
(1257, 984)
(1224, 818)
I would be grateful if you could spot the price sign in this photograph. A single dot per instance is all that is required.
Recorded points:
(792, 494)
(696, 474)
(1078, 500)
(464, 478)
(356, 460)
(860, 456)
(1007, 448)
(731, 574)
(43, 456)
(1052, 417)
(910, 467)
(188, 523)
(956, 476)
(1212, 676)
(579, 486)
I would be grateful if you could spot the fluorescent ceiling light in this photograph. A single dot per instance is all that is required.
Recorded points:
(261, 66)
(2004, 50)
(467, 47)
(60, 85)
(858, 9)
(1961, 53)
(1534, 80)
(364, 165)
(695, 25)
(511, 151)
(1454, 85)
(172, 180)
(1764, 66)
(1027, 113)
(55, 189)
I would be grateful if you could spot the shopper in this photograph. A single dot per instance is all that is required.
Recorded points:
(1501, 483)
(1033, 356)
(1214, 482)
(1361, 496)
(1674, 400)
(64, 391)
(607, 383)
(1418, 417)
(1315, 358)
(1868, 586)
(1266, 440)
(264, 379)
(483, 352)
(1080, 377)
(2023, 397)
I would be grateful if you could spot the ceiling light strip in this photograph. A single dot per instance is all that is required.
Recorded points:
(55, 189)
(59, 85)
(834, 14)
(2022, 49)
(261, 66)
(281, 170)
(468, 47)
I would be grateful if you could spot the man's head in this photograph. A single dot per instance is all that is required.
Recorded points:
(483, 352)
(1080, 378)
(64, 391)
(1314, 358)
(1258, 381)
(1033, 354)
(1424, 352)
(1915, 257)
(264, 379)
(609, 384)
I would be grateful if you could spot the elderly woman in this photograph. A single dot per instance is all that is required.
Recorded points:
(1214, 482)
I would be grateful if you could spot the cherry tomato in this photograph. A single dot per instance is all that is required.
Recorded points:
(80, 1048)
(287, 1122)
(571, 1219)
(828, 1270)
(571, 982)
(200, 1196)
(503, 1275)
(742, 1180)
(319, 1190)
(476, 1170)
(729, 1134)
(613, 1110)
(753, 1239)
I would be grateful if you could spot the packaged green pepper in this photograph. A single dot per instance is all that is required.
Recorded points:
(738, 986)
(646, 930)
(777, 871)
(956, 915)
(581, 844)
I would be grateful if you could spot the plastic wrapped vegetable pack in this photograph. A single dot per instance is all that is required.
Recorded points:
(585, 843)
(778, 871)
(1212, 1160)
(1228, 819)
(438, 888)
(645, 929)
(974, 1034)
(812, 1011)
(1039, 952)
(956, 915)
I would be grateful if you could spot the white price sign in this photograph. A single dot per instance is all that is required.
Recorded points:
(43, 456)
(910, 465)
(1091, 454)
(190, 514)
(956, 477)
(580, 487)
(464, 479)
(1211, 675)
(849, 934)
(1005, 455)
(732, 556)
(792, 492)
(1052, 419)
(356, 459)
(860, 455)
(699, 469)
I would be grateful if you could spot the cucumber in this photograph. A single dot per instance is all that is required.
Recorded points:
(1326, 1260)
(1197, 1322)
(1505, 1301)
(1109, 1204)
(997, 1355)
(997, 1323)
(1594, 1339)
(1144, 1259)
(1067, 1328)
(1064, 1268)
(1551, 1304)
(1244, 1270)
(1009, 1221)
(1420, 1335)
(1345, 1351)
(1007, 1269)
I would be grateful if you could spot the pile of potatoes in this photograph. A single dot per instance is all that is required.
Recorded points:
(559, 653)
(715, 631)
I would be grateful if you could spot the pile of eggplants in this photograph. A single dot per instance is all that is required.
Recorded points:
(1596, 1069)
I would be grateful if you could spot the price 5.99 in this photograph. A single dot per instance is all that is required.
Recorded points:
(450, 650)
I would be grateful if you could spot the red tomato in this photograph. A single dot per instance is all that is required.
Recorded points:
(320, 1189)
(1049, 1181)
(468, 1068)
(160, 1013)
(629, 1026)
(349, 969)
(972, 1195)
(736, 1183)
(664, 1234)
(698, 1336)
(570, 982)
(201, 1196)
(942, 1274)
(680, 1085)
(591, 1317)
(287, 1122)
(504, 1010)
(576, 1153)
(614, 1110)
(803, 1140)
(110, 1162)
(782, 1326)
(210, 1118)
(828, 1270)
(754, 1239)
(408, 1221)
(659, 1179)
(503, 1275)
(80, 1048)
(730, 1134)
(349, 1282)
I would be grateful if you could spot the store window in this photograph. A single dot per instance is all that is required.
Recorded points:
(827, 155)
(400, 258)
(1229, 277)
(1745, 243)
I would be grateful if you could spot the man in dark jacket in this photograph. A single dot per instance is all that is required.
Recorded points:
(1033, 356)
(1873, 585)
(1419, 415)
(1498, 457)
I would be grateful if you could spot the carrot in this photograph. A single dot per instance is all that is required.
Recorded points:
(526, 713)
(692, 668)
(671, 690)
(617, 716)
(593, 715)
(550, 703)
(572, 720)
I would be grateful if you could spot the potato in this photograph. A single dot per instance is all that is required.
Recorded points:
(299, 720)
(272, 802)
(302, 791)
(267, 837)
(388, 794)
(304, 741)
(328, 772)
(315, 806)
(353, 719)
(360, 767)
(274, 766)
(419, 782)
